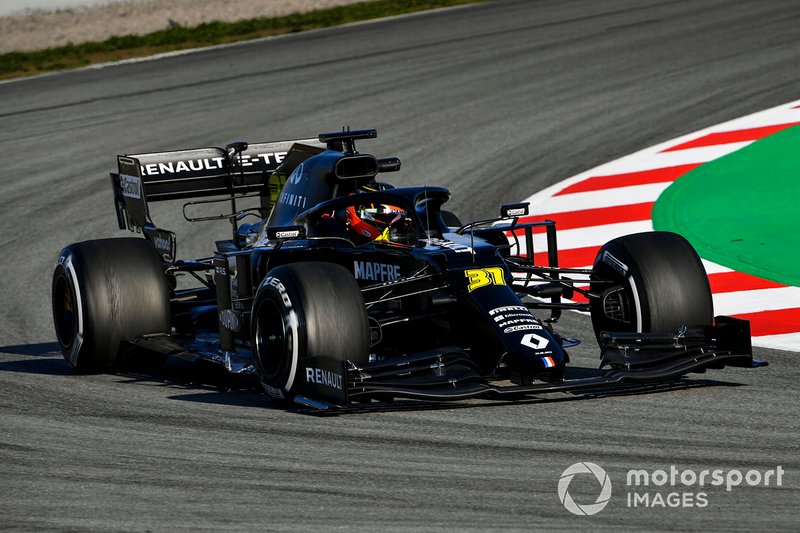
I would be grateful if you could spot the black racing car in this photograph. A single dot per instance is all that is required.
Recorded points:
(347, 291)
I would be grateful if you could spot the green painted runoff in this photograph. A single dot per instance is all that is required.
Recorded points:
(742, 210)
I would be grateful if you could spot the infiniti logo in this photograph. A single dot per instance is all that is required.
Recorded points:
(602, 499)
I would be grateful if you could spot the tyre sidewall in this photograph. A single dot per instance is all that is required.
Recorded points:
(278, 292)
(70, 336)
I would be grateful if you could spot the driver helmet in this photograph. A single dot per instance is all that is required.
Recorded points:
(380, 222)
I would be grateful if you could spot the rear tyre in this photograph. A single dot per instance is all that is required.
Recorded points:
(305, 310)
(651, 282)
(105, 292)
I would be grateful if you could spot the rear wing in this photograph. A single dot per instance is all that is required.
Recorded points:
(239, 169)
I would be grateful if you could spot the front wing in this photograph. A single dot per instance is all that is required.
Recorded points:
(448, 374)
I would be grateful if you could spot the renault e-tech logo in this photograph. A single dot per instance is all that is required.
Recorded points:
(587, 509)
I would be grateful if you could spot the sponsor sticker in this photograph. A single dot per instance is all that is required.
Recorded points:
(615, 263)
(275, 282)
(297, 174)
(507, 309)
(523, 327)
(131, 186)
(187, 166)
(320, 376)
(450, 245)
(372, 271)
(287, 234)
(532, 340)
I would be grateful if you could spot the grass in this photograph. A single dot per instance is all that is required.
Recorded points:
(19, 64)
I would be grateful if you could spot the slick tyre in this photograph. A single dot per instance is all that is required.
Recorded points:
(304, 310)
(651, 282)
(105, 292)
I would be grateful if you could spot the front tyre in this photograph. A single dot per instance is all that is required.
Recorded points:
(652, 282)
(105, 292)
(305, 310)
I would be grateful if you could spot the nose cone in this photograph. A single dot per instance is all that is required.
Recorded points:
(529, 347)
(537, 353)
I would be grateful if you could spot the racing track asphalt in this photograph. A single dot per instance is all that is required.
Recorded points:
(495, 101)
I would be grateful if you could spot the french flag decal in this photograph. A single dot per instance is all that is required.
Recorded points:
(548, 362)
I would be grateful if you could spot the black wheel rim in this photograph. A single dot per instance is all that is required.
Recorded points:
(270, 338)
(65, 312)
(617, 306)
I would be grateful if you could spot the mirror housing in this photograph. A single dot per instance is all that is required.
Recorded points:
(281, 233)
(388, 164)
(514, 210)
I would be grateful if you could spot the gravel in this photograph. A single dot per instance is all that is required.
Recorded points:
(33, 30)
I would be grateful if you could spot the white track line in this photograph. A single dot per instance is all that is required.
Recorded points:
(581, 201)
(741, 302)
(787, 341)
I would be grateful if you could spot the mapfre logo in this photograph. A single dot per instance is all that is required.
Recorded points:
(586, 509)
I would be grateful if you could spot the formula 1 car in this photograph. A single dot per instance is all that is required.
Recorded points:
(347, 291)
